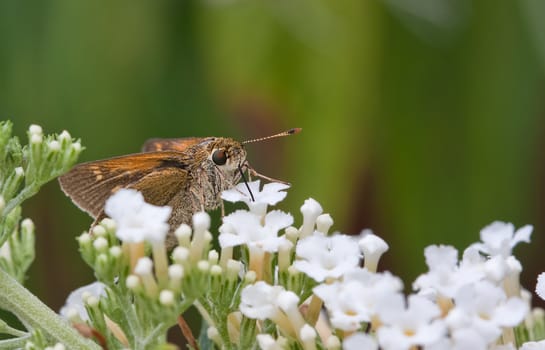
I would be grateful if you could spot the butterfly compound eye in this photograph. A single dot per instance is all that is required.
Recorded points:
(219, 157)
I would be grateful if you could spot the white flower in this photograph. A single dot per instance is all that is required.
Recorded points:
(499, 238)
(259, 301)
(460, 339)
(415, 325)
(75, 303)
(372, 247)
(357, 297)
(484, 307)
(271, 194)
(311, 210)
(360, 341)
(533, 345)
(444, 276)
(540, 287)
(322, 257)
(243, 227)
(137, 220)
(267, 342)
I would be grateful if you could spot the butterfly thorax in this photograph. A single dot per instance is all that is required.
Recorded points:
(208, 176)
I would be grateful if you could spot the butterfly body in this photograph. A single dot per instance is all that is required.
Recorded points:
(185, 174)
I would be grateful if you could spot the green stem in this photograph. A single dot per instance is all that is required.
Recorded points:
(7, 329)
(15, 343)
(30, 310)
(26, 193)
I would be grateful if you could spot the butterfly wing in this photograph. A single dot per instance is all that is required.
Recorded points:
(158, 175)
(178, 145)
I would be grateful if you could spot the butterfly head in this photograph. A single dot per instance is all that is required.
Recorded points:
(225, 154)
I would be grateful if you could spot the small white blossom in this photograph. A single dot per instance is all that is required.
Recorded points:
(75, 303)
(484, 307)
(259, 301)
(358, 297)
(135, 219)
(271, 194)
(540, 287)
(533, 345)
(243, 227)
(445, 277)
(414, 325)
(460, 339)
(360, 341)
(499, 238)
(322, 257)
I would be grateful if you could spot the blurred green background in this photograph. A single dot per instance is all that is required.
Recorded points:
(423, 119)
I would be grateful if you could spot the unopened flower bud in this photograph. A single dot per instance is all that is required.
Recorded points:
(203, 266)
(36, 138)
(216, 270)
(324, 223)
(64, 135)
(180, 255)
(311, 209)
(19, 171)
(99, 231)
(201, 221)
(133, 282)
(213, 257)
(108, 224)
(54, 146)
(166, 297)
(183, 235)
(35, 129)
(116, 251)
(76, 146)
(175, 272)
(100, 244)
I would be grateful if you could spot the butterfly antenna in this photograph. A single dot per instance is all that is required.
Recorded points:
(246, 182)
(282, 134)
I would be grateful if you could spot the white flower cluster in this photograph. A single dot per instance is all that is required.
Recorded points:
(467, 304)
(323, 291)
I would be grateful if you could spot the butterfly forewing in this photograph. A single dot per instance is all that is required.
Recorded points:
(178, 145)
(158, 175)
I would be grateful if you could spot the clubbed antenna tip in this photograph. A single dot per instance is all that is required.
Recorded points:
(285, 133)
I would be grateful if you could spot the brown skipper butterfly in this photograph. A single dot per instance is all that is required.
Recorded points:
(187, 174)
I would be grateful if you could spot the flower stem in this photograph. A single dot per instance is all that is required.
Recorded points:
(31, 311)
